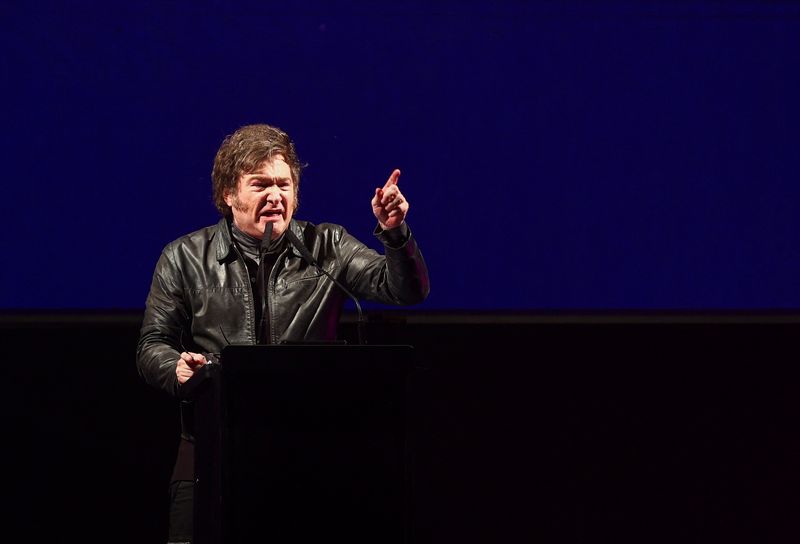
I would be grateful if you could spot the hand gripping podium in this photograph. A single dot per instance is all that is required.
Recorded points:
(294, 443)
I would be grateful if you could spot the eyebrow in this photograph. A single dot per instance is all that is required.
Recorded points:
(251, 177)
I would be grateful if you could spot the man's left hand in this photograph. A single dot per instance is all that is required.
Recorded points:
(389, 205)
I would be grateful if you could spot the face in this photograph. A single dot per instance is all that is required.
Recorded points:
(264, 196)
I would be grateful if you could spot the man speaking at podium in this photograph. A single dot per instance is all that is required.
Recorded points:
(248, 279)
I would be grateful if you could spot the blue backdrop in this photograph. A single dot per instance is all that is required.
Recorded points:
(557, 155)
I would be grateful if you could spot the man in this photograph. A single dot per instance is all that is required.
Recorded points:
(227, 283)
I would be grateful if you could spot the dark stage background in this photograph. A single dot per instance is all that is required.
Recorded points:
(605, 192)
(574, 429)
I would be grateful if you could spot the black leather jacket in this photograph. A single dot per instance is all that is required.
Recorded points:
(201, 299)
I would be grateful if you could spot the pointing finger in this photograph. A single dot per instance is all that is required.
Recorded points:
(392, 179)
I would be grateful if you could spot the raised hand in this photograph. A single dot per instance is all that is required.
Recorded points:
(389, 205)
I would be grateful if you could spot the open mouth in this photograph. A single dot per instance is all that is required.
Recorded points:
(272, 215)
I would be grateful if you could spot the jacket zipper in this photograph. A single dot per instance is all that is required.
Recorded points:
(270, 294)
(243, 265)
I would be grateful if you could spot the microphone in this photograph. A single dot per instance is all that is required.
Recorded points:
(307, 257)
(267, 238)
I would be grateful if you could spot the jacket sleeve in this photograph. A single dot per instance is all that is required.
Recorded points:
(399, 277)
(165, 316)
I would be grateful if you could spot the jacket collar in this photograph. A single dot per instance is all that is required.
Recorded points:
(297, 228)
(225, 249)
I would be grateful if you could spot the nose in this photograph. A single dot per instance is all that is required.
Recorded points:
(273, 197)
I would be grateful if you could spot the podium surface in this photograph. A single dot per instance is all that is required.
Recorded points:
(299, 442)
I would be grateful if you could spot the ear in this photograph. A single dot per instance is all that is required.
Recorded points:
(226, 196)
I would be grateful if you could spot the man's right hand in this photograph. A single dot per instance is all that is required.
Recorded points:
(187, 364)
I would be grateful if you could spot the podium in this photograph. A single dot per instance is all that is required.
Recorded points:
(295, 443)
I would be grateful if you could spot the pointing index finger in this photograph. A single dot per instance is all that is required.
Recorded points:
(392, 179)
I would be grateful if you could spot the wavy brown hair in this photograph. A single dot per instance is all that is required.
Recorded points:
(243, 152)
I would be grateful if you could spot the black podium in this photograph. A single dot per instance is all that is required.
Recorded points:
(300, 442)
